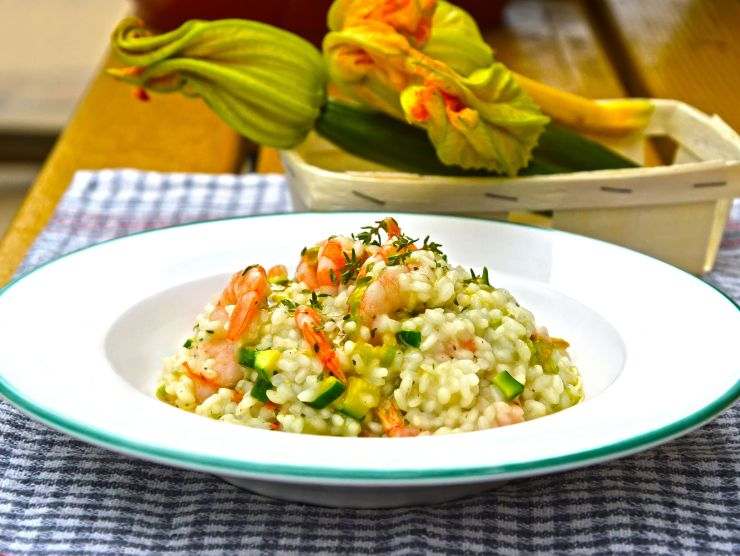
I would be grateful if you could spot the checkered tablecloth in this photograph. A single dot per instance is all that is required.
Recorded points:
(60, 495)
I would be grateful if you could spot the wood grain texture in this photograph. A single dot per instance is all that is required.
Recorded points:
(683, 49)
(553, 41)
(111, 129)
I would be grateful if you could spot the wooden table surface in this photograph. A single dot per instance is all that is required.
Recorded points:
(682, 49)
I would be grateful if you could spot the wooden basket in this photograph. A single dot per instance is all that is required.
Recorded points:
(676, 213)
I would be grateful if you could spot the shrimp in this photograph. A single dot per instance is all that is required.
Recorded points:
(321, 266)
(330, 263)
(247, 291)
(308, 322)
(217, 364)
(377, 253)
(391, 227)
(392, 420)
(306, 271)
(277, 272)
(508, 414)
(383, 295)
(332, 258)
(202, 388)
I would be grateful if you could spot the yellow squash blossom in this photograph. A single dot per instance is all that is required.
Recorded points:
(479, 121)
(456, 40)
(268, 84)
(410, 18)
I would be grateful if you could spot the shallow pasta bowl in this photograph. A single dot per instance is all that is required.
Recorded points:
(647, 338)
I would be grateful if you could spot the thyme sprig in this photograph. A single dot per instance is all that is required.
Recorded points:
(434, 247)
(290, 305)
(370, 235)
(314, 301)
(352, 267)
(481, 280)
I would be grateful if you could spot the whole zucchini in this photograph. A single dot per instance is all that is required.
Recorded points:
(385, 140)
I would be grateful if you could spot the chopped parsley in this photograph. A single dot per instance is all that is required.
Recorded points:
(188, 343)
(332, 276)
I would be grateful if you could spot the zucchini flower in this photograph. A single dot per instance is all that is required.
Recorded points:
(482, 121)
(268, 84)
(410, 18)
(456, 40)
(367, 63)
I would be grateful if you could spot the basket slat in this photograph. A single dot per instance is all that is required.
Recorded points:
(675, 212)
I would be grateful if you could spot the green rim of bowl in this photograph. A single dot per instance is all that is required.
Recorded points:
(228, 466)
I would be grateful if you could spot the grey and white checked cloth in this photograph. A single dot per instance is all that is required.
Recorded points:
(59, 495)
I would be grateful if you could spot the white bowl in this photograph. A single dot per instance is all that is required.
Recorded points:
(84, 336)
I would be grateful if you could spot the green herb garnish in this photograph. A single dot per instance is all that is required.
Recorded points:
(371, 234)
(481, 280)
(400, 258)
(403, 241)
(351, 267)
(434, 247)
(290, 305)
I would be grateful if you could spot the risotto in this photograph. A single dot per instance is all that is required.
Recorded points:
(377, 334)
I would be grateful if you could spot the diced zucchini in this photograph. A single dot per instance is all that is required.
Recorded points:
(265, 362)
(384, 355)
(162, 393)
(355, 297)
(326, 392)
(259, 390)
(410, 338)
(543, 355)
(509, 386)
(360, 398)
(246, 357)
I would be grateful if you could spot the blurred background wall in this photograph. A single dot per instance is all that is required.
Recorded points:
(48, 50)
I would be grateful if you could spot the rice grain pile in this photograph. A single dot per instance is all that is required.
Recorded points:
(376, 335)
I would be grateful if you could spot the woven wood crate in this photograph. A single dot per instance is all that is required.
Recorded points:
(675, 212)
